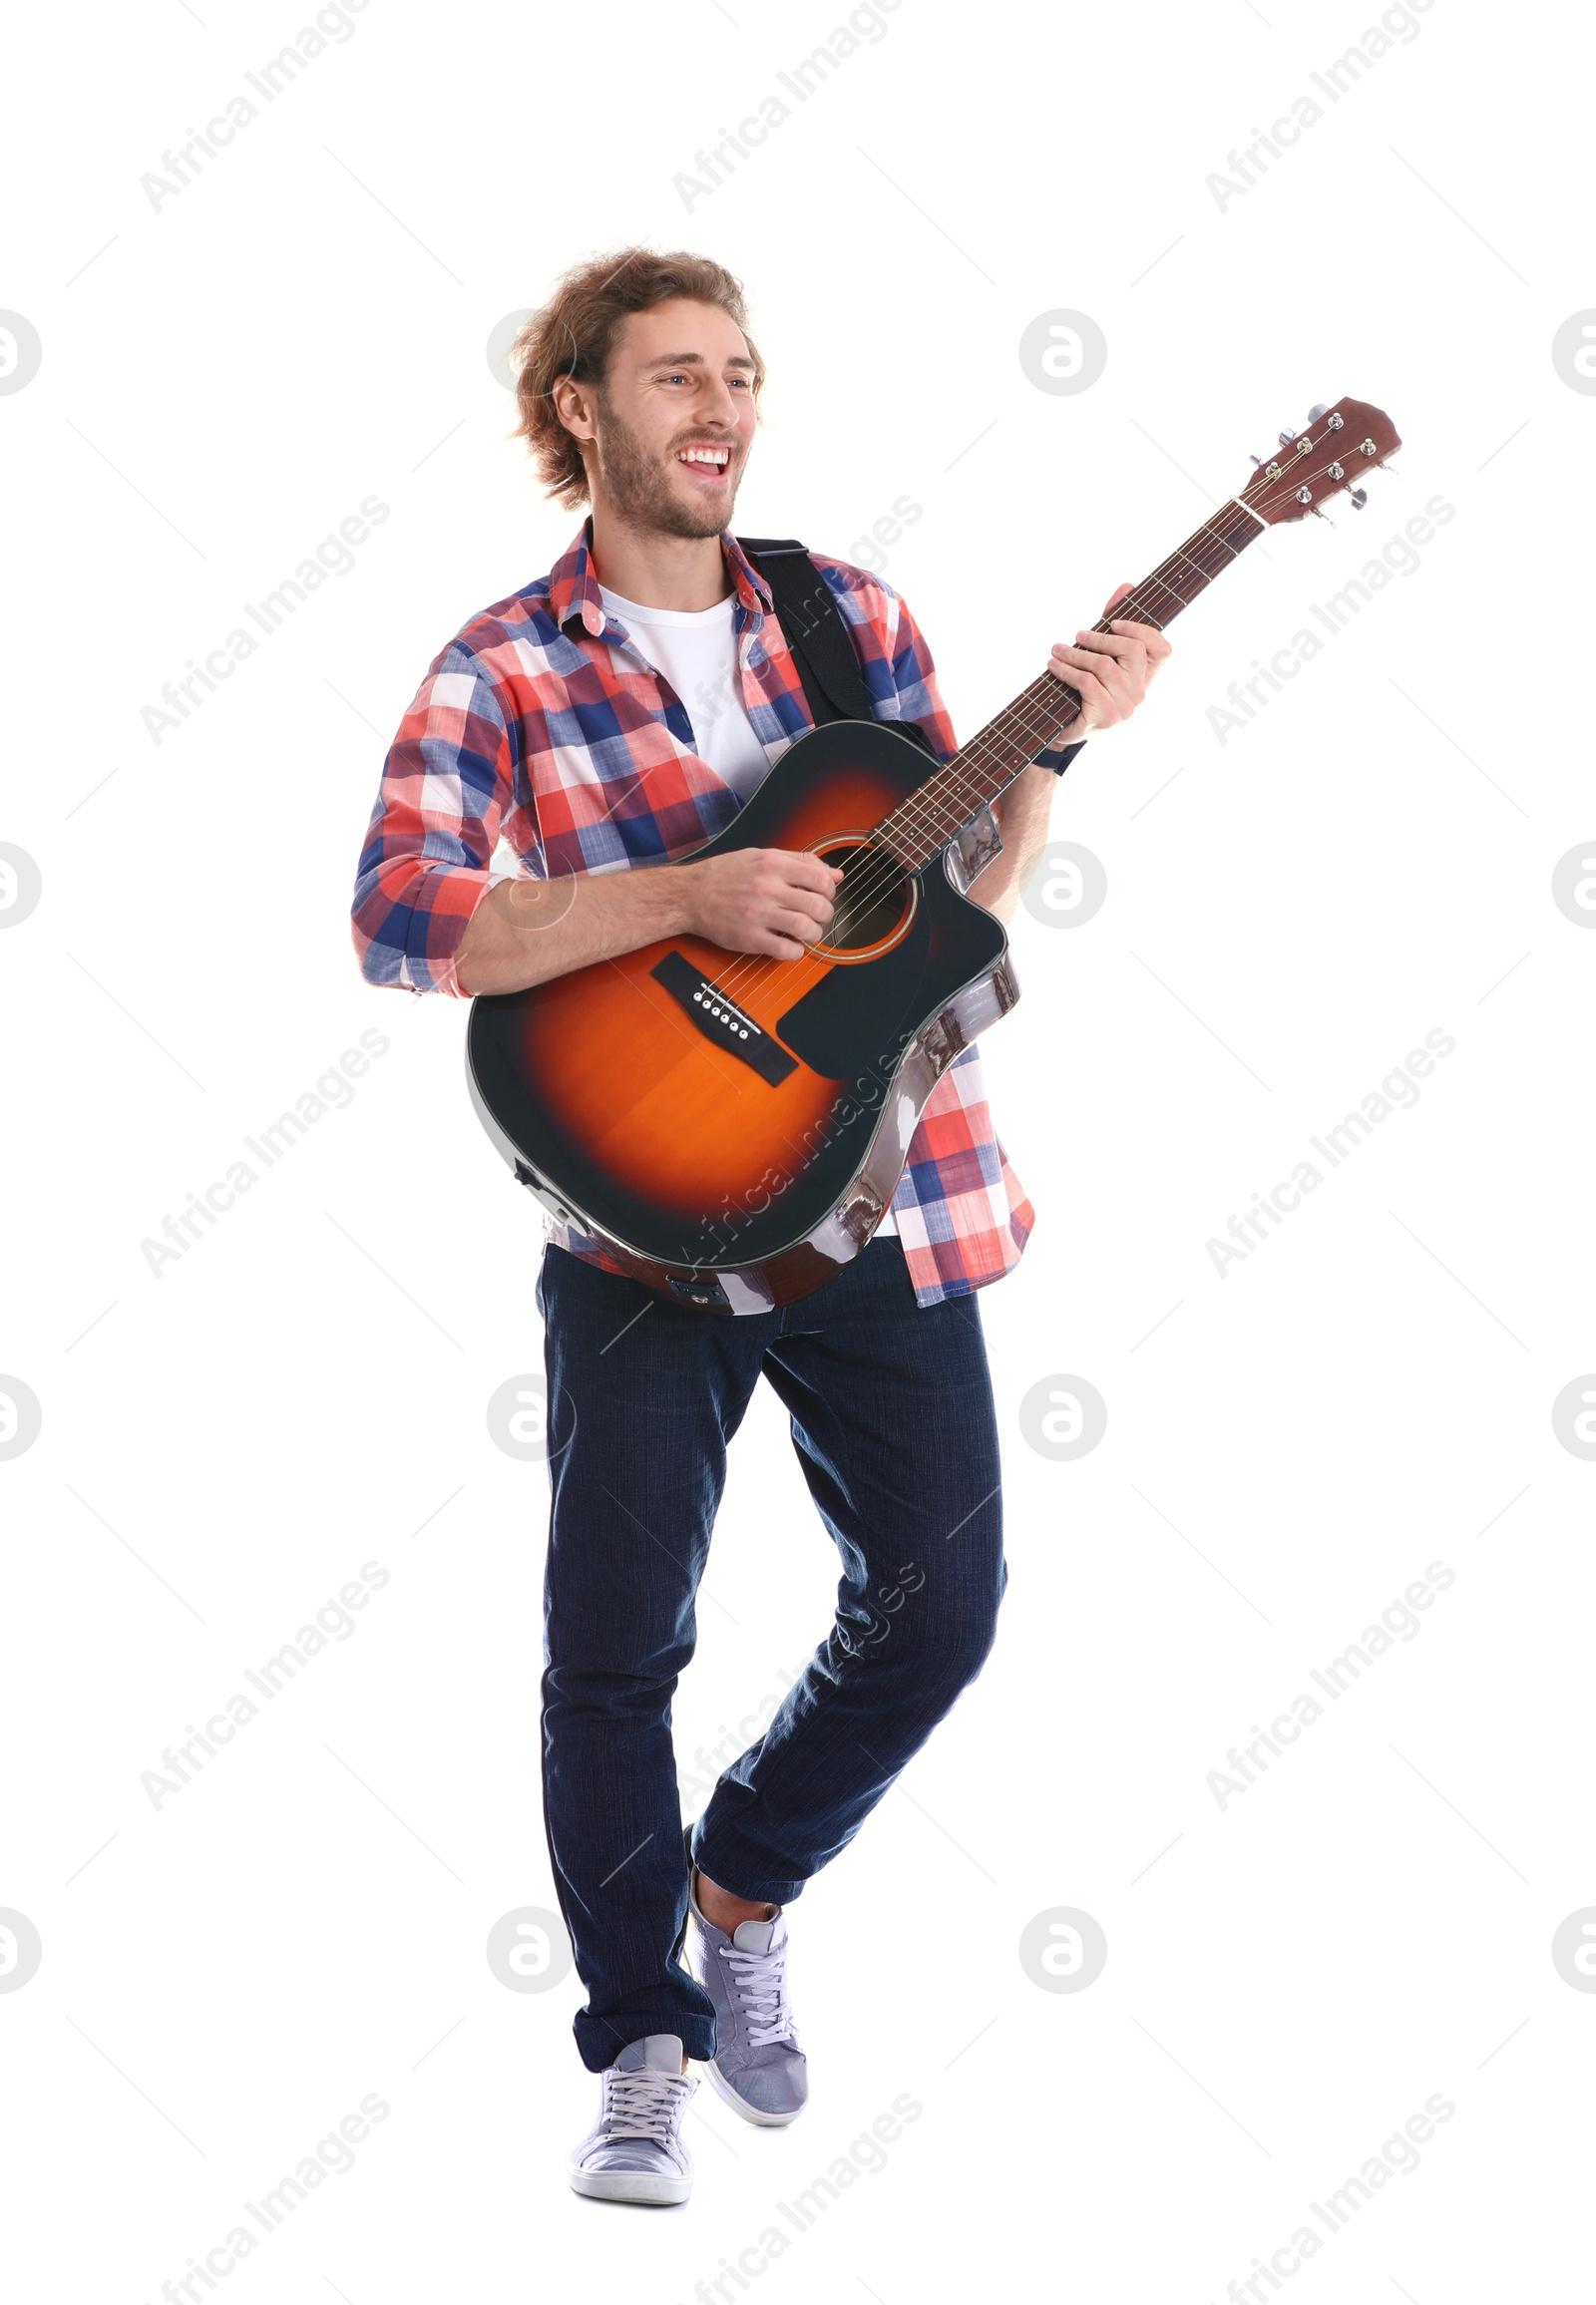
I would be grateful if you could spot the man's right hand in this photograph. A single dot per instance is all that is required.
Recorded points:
(772, 901)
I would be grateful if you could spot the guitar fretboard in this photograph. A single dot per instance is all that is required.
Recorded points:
(1039, 715)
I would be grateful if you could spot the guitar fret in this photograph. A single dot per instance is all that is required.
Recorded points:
(1042, 715)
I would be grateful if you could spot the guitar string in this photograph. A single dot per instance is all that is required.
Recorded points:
(757, 971)
(913, 814)
(868, 891)
(760, 967)
(1039, 694)
(916, 802)
(906, 812)
(927, 818)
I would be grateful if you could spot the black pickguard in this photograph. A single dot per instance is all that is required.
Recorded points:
(847, 1020)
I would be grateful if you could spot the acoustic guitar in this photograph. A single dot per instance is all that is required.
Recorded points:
(730, 1126)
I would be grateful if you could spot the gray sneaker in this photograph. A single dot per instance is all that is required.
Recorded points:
(635, 2150)
(757, 2066)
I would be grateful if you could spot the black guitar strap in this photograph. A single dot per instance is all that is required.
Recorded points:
(822, 648)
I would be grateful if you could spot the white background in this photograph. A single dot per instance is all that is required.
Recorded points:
(1289, 1978)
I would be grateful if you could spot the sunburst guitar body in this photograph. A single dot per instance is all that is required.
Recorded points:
(731, 1128)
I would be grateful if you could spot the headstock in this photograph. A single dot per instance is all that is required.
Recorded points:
(1332, 452)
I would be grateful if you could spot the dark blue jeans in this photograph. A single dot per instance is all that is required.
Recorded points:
(891, 1420)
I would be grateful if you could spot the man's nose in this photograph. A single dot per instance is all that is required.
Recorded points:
(719, 405)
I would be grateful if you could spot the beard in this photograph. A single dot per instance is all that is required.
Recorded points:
(640, 490)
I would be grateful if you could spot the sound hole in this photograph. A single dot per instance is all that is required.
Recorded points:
(873, 897)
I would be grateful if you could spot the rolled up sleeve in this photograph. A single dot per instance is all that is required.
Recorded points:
(425, 866)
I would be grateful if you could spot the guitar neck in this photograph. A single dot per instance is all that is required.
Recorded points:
(934, 815)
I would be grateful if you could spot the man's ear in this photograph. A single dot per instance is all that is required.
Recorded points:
(574, 407)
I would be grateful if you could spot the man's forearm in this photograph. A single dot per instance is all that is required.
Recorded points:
(525, 932)
(773, 902)
(1023, 819)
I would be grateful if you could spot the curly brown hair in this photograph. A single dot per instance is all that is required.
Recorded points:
(572, 336)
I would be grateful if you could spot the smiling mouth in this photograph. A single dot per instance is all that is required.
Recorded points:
(705, 461)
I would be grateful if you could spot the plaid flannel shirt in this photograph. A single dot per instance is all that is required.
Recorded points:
(543, 724)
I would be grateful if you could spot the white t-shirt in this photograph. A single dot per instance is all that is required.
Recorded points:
(696, 650)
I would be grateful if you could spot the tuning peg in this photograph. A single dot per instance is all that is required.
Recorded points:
(1358, 497)
(1257, 460)
(1320, 409)
(1287, 437)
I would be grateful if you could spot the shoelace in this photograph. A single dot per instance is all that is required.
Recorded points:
(646, 2104)
(762, 1989)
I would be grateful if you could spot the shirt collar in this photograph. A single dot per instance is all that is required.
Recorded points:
(574, 584)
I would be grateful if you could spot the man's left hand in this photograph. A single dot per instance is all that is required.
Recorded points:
(1110, 672)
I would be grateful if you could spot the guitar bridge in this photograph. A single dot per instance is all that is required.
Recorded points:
(721, 1022)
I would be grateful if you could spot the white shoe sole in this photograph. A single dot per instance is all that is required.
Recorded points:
(724, 2088)
(642, 2188)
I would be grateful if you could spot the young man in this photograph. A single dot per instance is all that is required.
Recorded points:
(613, 714)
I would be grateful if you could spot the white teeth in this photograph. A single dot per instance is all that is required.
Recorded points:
(720, 457)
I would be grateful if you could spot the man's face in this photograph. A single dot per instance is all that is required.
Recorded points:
(679, 379)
